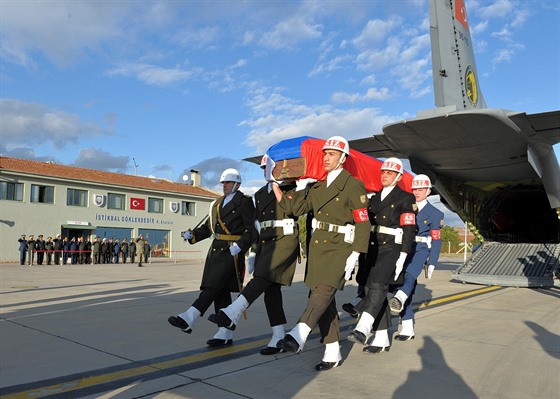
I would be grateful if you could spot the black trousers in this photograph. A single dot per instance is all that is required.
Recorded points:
(220, 297)
(321, 309)
(272, 298)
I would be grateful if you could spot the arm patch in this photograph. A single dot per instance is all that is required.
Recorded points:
(408, 219)
(360, 215)
(435, 234)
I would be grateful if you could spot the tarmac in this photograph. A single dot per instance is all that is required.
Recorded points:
(101, 331)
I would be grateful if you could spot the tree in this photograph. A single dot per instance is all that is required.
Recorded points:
(450, 234)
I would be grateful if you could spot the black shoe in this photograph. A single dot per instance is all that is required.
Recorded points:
(222, 320)
(269, 350)
(376, 349)
(323, 366)
(178, 322)
(349, 308)
(404, 337)
(139, 265)
(357, 337)
(288, 343)
(395, 305)
(216, 342)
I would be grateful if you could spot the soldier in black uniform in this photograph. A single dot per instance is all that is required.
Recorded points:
(57, 249)
(230, 223)
(40, 247)
(392, 213)
(272, 262)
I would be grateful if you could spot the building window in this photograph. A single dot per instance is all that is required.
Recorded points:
(115, 201)
(43, 194)
(188, 208)
(11, 191)
(76, 197)
(155, 205)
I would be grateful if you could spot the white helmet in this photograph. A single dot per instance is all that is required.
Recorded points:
(393, 164)
(263, 161)
(230, 175)
(337, 143)
(421, 181)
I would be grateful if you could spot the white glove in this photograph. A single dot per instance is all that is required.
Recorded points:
(399, 265)
(351, 264)
(301, 184)
(251, 262)
(188, 235)
(431, 269)
(268, 169)
(234, 249)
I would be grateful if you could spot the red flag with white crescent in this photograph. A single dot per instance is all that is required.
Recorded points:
(137, 203)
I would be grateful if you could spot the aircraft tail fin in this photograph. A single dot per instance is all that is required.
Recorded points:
(453, 64)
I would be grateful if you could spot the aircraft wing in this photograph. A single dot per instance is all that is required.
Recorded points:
(483, 147)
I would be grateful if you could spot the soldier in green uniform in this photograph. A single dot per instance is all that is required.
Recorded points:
(272, 263)
(341, 231)
(230, 223)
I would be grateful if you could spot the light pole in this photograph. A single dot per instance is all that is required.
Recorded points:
(465, 248)
(135, 167)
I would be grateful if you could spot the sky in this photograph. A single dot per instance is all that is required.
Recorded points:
(157, 88)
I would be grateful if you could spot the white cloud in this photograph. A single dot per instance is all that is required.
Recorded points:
(499, 9)
(372, 94)
(22, 120)
(154, 75)
(95, 158)
(290, 32)
(60, 30)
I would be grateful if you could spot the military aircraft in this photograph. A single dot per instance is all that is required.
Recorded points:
(495, 168)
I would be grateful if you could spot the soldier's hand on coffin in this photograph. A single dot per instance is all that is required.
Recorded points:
(234, 249)
(251, 263)
(351, 264)
(188, 235)
(431, 269)
(301, 184)
(399, 265)
(269, 168)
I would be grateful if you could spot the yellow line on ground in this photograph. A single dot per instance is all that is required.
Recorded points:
(82, 383)
(458, 296)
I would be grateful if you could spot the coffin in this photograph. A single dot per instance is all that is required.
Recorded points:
(303, 157)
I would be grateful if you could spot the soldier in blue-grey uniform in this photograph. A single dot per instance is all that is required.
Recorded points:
(427, 247)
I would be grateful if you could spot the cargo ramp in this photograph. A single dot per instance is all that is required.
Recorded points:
(512, 265)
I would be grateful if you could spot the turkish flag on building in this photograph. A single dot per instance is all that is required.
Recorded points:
(137, 203)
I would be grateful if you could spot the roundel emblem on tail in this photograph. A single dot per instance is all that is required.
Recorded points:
(471, 86)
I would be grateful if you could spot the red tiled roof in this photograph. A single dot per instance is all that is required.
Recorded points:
(91, 175)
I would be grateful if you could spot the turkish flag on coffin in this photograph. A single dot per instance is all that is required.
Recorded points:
(307, 153)
(138, 203)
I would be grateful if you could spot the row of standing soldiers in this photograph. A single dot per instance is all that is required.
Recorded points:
(79, 250)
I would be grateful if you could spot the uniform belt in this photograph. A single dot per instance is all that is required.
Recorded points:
(272, 223)
(386, 230)
(425, 240)
(334, 228)
(226, 237)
